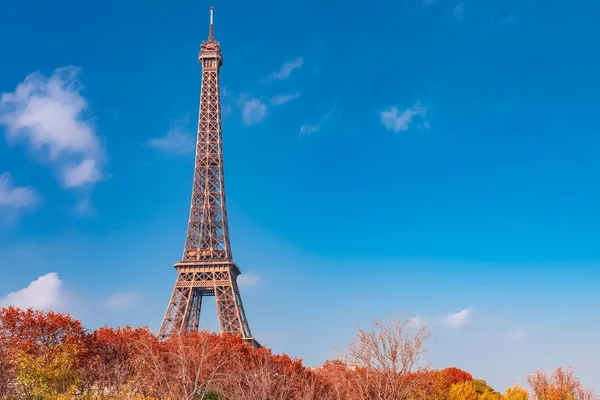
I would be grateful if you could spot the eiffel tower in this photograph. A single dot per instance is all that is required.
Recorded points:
(206, 267)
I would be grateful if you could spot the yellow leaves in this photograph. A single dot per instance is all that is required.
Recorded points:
(463, 391)
(473, 390)
(516, 392)
(50, 373)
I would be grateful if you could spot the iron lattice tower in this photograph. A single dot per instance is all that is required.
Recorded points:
(207, 267)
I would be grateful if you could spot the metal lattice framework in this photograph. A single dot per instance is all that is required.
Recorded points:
(207, 267)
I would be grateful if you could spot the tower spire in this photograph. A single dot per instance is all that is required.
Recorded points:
(211, 29)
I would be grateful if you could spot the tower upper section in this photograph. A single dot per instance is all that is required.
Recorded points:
(210, 51)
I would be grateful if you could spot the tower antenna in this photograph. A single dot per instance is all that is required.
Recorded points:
(211, 31)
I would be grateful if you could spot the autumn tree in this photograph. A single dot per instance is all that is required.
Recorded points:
(436, 384)
(259, 374)
(186, 366)
(384, 360)
(516, 392)
(111, 356)
(7, 374)
(476, 389)
(336, 377)
(47, 350)
(463, 391)
(561, 384)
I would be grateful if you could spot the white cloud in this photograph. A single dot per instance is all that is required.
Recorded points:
(86, 172)
(44, 293)
(247, 280)
(459, 319)
(120, 301)
(15, 200)
(459, 11)
(395, 121)
(306, 130)
(283, 98)
(415, 322)
(253, 110)
(47, 114)
(174, 142)
(15, 197)
(286, 69)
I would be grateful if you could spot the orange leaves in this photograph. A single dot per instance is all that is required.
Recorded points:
(46, 355)
(30, 330)
(560, 384)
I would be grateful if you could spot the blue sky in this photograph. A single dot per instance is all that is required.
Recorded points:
(429, 158)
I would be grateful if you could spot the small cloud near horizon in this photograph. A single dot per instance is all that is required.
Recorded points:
(45, 293)
(459, 319)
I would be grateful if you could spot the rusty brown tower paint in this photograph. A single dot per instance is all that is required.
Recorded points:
(206, 267)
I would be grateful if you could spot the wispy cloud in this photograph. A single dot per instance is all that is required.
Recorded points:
(510, 19)
(458, 320)
(248, 279)
(15, 197)
(286, 69)
(309, 129)
(120, 301)
(397, 121)
(48, 115)
(253, 110)
(306, 130)
(415, 322)
(281, 99)
(45, 293)
(75, 175)
(176, 140)
(458, 11)
(15, 200)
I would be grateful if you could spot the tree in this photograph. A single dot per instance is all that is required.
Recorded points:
(7, 374)
(336, 377)
(185, 366)
(485, 391)
(47, 350)
(261, 375)
(463, 391)
(561, 384)
(437, 383)
(384, 360)
(112, 352)
(476, 389)
(516, 392)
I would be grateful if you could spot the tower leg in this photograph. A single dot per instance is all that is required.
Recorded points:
(192, 321)
(176, 313)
